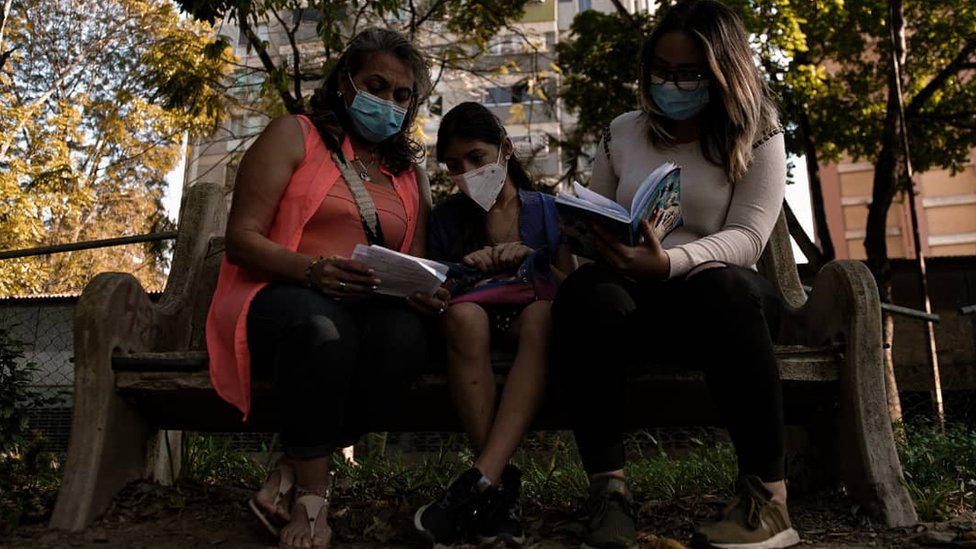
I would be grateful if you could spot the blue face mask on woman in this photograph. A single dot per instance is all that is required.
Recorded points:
(374, 118)
(678, 104)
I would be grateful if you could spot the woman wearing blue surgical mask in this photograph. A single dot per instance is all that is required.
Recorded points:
(291, 308)
(704, 106)
(492, 225)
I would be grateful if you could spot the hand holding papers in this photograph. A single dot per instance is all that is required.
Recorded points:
(401, 275)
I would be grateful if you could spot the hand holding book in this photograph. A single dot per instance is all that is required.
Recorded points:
(658, 198)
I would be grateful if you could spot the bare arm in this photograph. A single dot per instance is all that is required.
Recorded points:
(563, 263)
(262, 178)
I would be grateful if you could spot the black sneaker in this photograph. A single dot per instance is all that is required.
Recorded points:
(446, 518)
(499, 518)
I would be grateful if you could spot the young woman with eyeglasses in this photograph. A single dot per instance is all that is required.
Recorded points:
(705, 106)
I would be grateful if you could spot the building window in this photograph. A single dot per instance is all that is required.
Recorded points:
(306, 15)
(585, 5)
(243, 46)
(508, 95)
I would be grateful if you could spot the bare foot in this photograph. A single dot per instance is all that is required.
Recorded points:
(308, 527)
(275, 496)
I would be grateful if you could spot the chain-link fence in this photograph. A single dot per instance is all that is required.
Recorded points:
(44, 324)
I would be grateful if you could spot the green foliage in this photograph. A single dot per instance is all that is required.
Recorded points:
(653, 473)
(29, 475)
(827, 60)
(94, 106)
(213, 459)
(940, 468)
(599, 64)
(470, 24)
(17, 394)
(554, 478)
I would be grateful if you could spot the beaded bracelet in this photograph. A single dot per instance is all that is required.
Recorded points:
(308, 270)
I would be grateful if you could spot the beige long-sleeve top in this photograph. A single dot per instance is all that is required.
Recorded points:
(722, 222)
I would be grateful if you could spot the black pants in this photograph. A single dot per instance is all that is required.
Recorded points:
(718, 320)
(336, 365)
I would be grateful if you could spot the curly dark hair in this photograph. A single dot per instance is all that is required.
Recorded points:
(329, 113)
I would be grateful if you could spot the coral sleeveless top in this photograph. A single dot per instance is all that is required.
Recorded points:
(230, 360)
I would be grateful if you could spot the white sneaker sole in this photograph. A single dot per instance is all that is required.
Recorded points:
(508, 540)
(420, 527)
(786, 538)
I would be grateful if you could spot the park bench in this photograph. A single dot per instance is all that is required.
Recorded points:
(141, 377)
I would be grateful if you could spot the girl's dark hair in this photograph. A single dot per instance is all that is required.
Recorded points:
(740, 109)
(328, 110)
(475, 122)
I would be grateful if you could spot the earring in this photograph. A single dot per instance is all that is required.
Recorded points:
(338, 93)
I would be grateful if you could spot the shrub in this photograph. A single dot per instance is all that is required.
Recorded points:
(940, 468)
(29, 475)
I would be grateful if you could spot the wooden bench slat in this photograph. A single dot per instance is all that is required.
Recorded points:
(796, 363)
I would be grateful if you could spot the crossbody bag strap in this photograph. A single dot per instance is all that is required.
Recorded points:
(367, 210)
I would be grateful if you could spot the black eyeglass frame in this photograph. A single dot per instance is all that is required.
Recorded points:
(692, 79)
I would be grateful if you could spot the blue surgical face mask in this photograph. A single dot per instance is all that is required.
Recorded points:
(374, 118)
(678, 104)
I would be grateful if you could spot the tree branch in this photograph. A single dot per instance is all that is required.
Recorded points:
(958, 63)
(291, 104)
(622, 11)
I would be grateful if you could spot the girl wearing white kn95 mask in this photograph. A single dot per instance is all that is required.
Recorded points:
(496, 229)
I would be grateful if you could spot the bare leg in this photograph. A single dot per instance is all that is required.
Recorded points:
(778, 489)
(312, 475)
(523, 391)
(469, 375)
(276, 506)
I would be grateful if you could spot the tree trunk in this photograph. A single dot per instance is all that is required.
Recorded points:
(884, 187)
(809, 249)
(827, 252)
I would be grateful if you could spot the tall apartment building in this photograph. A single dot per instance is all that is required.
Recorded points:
(946, 206)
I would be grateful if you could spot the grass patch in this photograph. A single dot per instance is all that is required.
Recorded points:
(554, 478)
(213, 459)
(940, 468)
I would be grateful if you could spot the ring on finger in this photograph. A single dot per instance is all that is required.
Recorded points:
(342, 286)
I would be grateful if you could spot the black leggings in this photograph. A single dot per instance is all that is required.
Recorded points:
(336, 365)
(718, 321)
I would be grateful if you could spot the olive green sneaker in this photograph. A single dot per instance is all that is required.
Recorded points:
(611, 516)
(751, 521)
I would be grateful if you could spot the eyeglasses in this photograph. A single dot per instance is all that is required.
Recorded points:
(684, 79)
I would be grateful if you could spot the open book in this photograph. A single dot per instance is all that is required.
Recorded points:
(400, 274)
(659, 194)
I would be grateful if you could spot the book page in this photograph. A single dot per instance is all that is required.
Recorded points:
(400, 274)
(597, 199)
(618, 214)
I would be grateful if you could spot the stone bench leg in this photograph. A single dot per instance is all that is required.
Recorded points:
(111, 444)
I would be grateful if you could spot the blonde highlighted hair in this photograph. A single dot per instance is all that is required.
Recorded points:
(740, 112)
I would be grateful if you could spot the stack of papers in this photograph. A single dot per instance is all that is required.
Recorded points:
(401, 275)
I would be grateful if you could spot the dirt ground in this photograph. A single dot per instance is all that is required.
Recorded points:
(190, 516)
